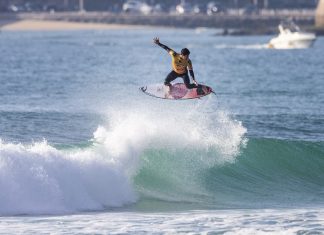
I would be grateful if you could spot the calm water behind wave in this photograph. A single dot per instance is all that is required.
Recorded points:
(275, 93)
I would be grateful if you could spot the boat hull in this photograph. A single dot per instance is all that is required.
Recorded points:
(293, 41)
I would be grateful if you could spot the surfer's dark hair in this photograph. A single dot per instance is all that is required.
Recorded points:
(185, 51)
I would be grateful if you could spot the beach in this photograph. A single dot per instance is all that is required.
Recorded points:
(48, 25)
(240, 24)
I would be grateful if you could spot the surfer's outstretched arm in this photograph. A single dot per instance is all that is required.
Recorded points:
(157, 42)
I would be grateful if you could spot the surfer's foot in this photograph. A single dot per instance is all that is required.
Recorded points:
(167, 88)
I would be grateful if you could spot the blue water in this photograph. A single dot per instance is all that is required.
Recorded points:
(77, 135)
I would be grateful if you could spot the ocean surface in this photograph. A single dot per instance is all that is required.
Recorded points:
(83, 151)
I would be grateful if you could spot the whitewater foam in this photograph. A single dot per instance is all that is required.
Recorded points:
(39, 179)
(259, 222)
(189, 126)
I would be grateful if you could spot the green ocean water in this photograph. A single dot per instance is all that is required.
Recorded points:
(268, 173)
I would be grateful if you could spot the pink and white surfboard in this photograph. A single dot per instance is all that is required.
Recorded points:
(177, 91)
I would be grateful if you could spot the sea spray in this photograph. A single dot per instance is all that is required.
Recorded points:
(176, 144)
(174, 127)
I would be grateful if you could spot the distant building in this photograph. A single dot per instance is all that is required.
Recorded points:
(320, 14)
(116, 5)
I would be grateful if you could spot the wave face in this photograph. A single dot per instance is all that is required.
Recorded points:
(268, 173)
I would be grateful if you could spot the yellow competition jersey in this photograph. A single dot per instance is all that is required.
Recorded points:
(179, 64)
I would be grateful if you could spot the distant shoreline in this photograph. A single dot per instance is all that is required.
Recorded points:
(48, 25)
(231, 24)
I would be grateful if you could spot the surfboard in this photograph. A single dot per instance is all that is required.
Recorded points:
(177, 91)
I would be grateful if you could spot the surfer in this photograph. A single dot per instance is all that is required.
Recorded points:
(180, 66)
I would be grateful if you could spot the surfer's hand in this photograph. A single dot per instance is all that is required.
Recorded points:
(196, 83)
(156, 40)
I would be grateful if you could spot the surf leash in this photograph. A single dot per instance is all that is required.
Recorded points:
(213, 92)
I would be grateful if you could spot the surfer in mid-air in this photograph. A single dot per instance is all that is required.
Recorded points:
(180, 66)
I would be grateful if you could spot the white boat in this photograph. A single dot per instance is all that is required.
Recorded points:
(292, 38)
